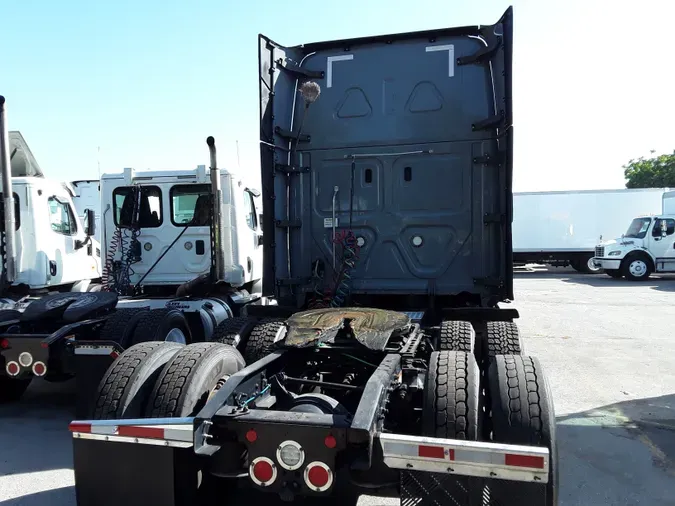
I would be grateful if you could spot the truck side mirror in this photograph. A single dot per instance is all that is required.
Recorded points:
(89, 222)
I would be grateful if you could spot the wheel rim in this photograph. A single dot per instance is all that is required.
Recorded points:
(592, 267)
(637, 268)
(175, 336)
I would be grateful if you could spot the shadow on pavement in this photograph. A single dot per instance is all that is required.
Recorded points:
(622, 453)
(64, 496)
(34, 431)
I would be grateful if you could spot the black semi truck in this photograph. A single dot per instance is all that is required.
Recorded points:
(387, 366)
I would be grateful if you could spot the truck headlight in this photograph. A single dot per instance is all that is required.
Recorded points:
(614, 253)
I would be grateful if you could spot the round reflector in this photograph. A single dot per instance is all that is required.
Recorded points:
(318, 476)
(330, 441)
(263, 471)
(251, 436)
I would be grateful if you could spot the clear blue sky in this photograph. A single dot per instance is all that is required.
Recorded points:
(149, 80)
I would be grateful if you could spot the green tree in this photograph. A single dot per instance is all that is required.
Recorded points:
(655, 172)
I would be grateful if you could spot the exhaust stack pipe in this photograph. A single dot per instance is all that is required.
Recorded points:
(216, 192)
(7, 196)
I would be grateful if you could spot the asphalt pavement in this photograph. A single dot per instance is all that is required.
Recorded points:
(607, 347)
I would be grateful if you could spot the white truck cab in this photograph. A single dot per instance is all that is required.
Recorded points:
(648, 246)
(53, 247)
(156, 229)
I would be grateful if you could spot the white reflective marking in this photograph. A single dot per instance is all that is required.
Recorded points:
(103, 350)
(329, 66)
(450, 48)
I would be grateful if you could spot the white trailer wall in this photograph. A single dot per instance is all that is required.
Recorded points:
(575, 220)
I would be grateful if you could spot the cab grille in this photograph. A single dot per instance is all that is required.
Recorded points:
(599, 251)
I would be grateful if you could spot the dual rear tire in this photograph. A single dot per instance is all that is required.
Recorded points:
(484, 388)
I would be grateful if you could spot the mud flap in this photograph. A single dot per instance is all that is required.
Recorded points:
(423, 489)
(91, 361)
(116, 473)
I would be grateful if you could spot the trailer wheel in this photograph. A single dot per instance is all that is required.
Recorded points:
(457, 336)
(192, 375)
(163, 325)
(503, 338)
(233, 330)
(120, 325)
(637, 267)
(261, 339)
(12, 389)
(522, 413)
(126, 385)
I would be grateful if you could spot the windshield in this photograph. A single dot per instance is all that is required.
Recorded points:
(638, 228)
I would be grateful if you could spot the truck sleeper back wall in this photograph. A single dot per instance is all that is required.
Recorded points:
(409, 146)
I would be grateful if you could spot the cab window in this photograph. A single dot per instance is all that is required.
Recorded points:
(670, 227)
(61, 216)
(249, 206)
(190, 204)
(146, 213)
(17, 213)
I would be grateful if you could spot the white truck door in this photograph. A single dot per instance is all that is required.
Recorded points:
(663, 247)
(253, 245)
(68, 263)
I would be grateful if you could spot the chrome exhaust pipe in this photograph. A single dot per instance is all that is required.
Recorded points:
(7, 196)
(216, 192)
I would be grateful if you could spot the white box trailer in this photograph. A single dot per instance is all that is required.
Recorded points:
(668, 203)
(562, 228)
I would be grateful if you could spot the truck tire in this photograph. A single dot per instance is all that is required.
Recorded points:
(451, 409)
(637, 267)
(261, 339)
(614, 273)
(451, 396)
(457, 336)
(162, 325)
(126, 385)
(585, 265)
(522, 413)
(12, 389)
(503, 338)
(233, 331)
(120, 325)
(7, 315)
(192, 375)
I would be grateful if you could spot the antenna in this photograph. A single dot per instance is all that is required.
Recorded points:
(238, 164)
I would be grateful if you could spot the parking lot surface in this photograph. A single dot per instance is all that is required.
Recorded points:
(607, 347)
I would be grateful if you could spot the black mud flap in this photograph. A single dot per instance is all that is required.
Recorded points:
(422, 489)
(128, 474)
(91, 361)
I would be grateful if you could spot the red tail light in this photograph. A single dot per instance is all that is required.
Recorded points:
(39, 369)
(318, 476)
(12, 368)
(4, 343)
(263, 471)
